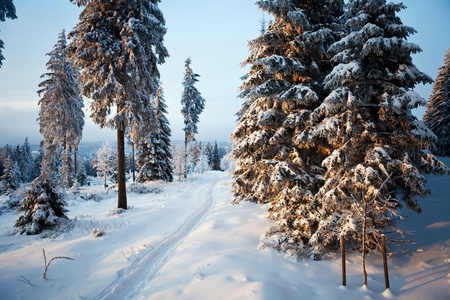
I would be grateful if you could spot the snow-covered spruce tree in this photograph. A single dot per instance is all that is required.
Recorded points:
(154, 153)
(61, 118)
(275, 161)
(192, 105)
(437, 116)
(215, 159)
(81, 178)
(366, 120)
(26, 162)
(7, 10)
(118, 45)
(43, 206)
(11, 178)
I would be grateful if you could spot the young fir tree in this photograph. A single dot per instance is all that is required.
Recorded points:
(26, 162)
(215, 159)
(43, 206)
(366, 121)
(61, 118)
(192, 104)
(154, 153)
(7, 10)
(118, 45)
(11, 178)
(275, 162)
(437, 116)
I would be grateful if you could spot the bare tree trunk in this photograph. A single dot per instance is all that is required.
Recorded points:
(364, 245)
(122, 193)
(185, 156)
(75, 162)
(132, 161)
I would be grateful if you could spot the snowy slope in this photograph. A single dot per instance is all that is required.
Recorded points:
(187, 242)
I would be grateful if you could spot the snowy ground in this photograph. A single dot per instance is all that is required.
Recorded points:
(185, 241)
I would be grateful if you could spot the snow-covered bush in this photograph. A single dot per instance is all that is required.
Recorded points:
(43, 207)
(140, 188)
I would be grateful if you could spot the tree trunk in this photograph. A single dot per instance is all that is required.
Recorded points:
(122, 193)
(132, 161)
(75, 163)
(364, 246)
(185, 156)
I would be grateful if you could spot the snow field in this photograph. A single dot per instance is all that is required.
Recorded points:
(188, 242)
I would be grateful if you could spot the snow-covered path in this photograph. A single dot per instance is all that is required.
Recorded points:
(145, 267)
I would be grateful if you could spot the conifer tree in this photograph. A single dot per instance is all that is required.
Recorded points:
(437, 116)
(26, 162)
(7, 10)
(11, 178)
(81, 178)
(61, 115)
(274, 161)
(118, 45)
(215, 159)
(192, 104)
(154, 153)
(366, 123)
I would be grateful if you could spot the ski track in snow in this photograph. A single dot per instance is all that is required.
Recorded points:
(146, 267)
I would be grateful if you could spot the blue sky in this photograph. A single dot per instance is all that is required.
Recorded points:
(213, 33)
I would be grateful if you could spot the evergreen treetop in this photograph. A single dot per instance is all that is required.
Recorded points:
(437, 115)
(7, 10)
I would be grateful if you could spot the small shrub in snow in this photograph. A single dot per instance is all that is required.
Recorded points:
(98, 232)
(199, 273)
(24, 280)
(117, 211)
(139, 188)
(91, 197)
(44, 276)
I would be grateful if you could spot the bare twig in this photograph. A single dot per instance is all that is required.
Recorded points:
(44, 276)
(24, 280)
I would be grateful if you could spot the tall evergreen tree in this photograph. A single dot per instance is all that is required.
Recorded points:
(154, 153)
(7, 10)
(61, 115)
(367, 125)
(437, 116)
(192, 105)
(118, 45)
(215, 159)
(26, 162)
(288, 62)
